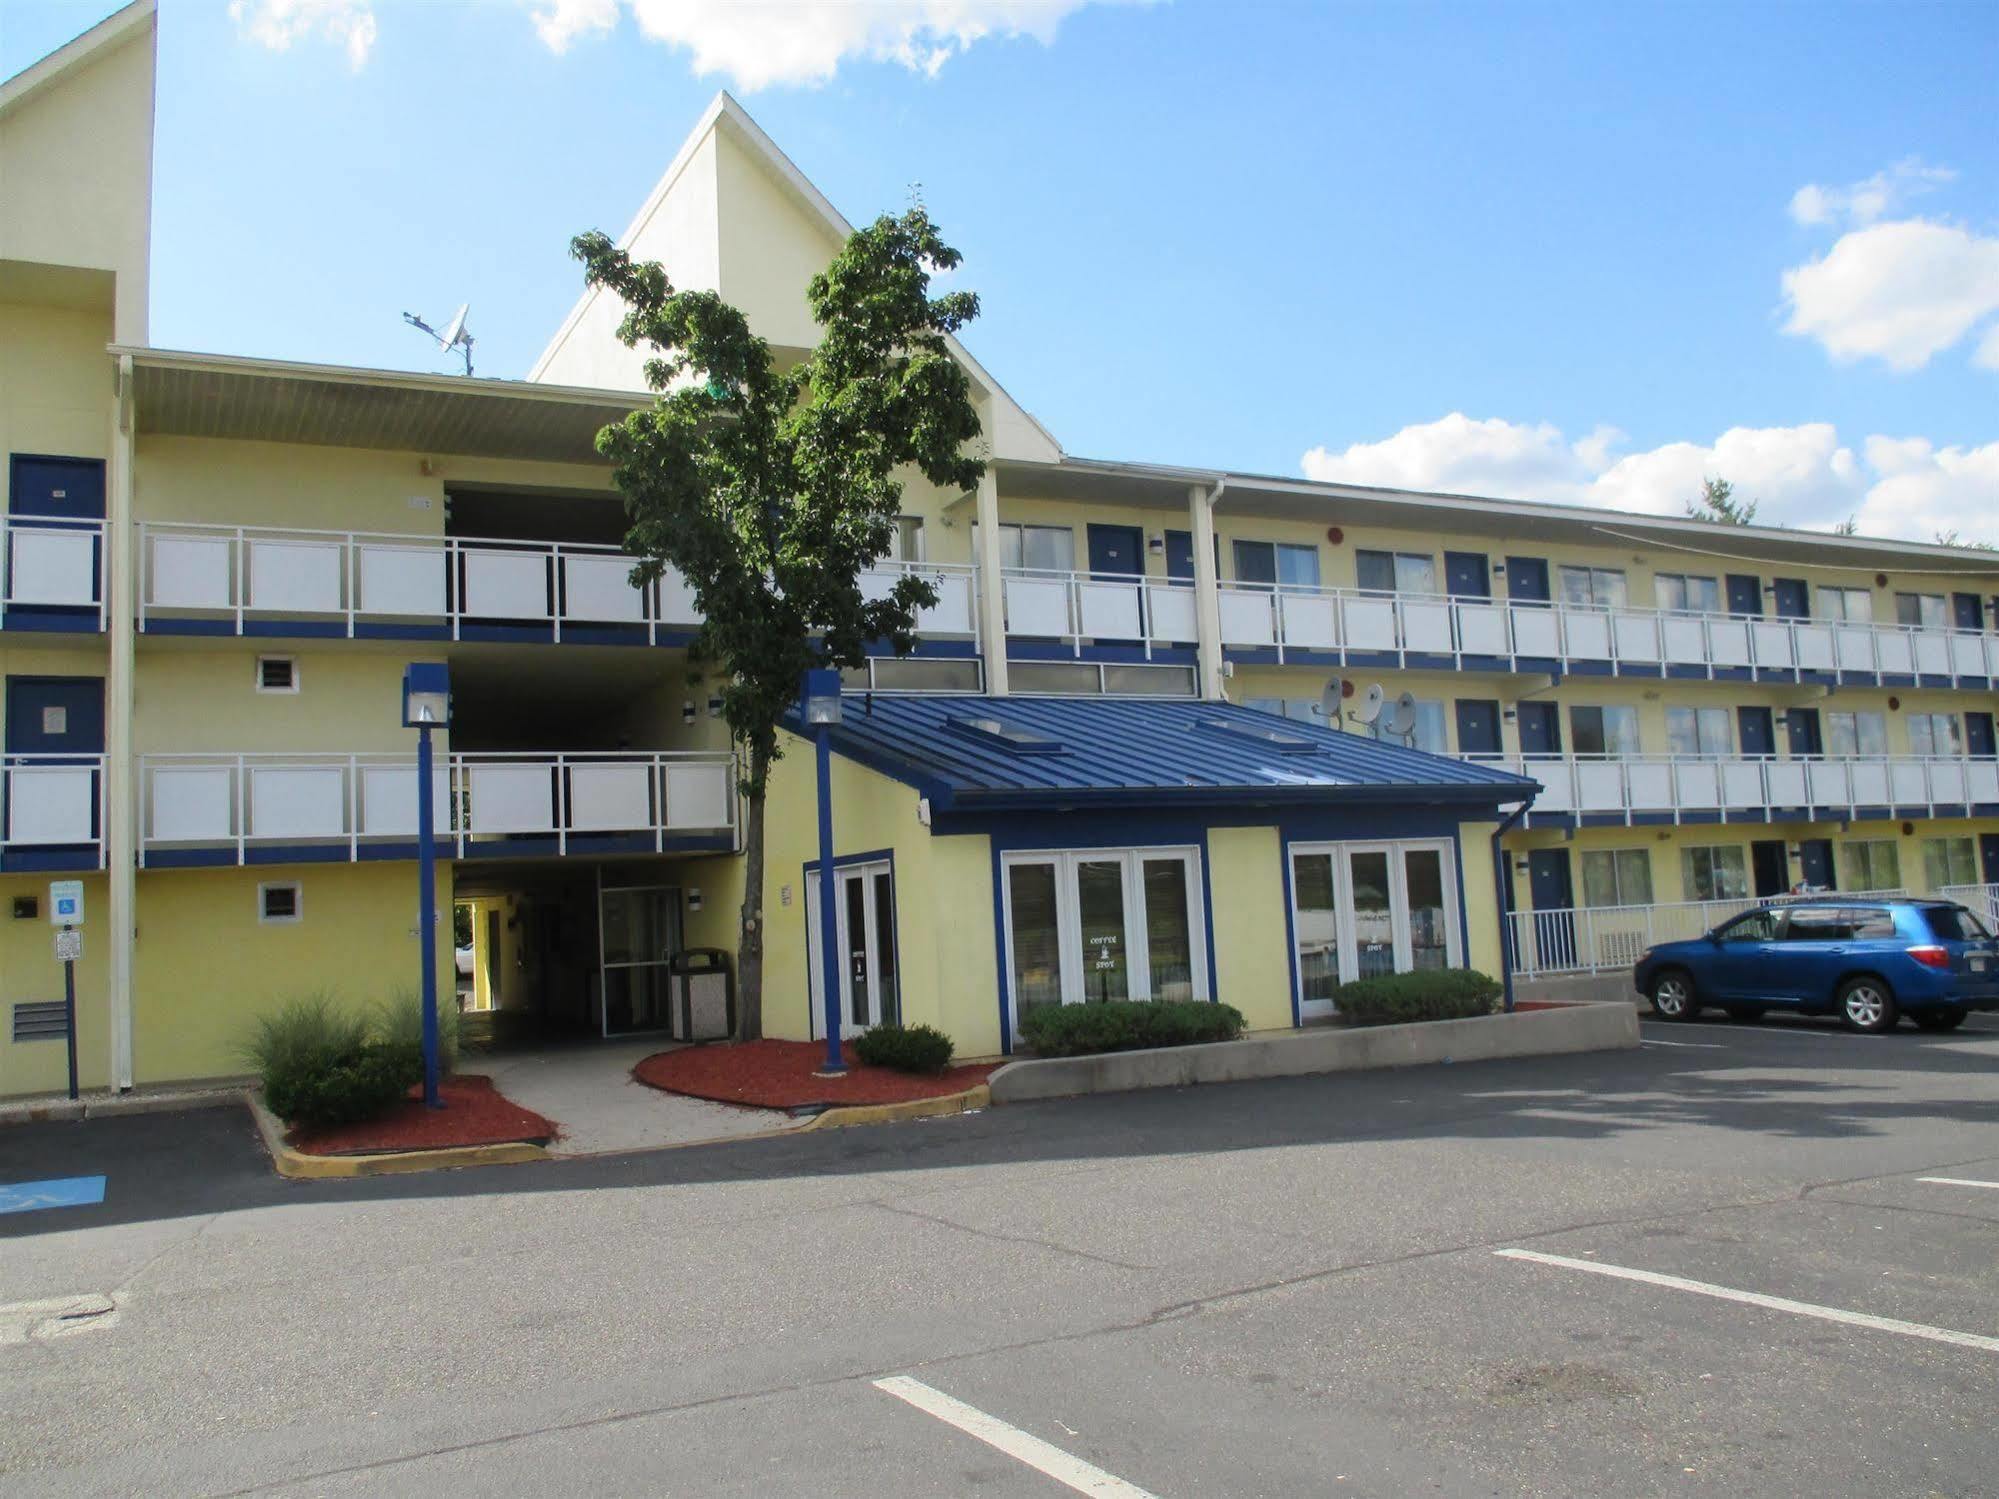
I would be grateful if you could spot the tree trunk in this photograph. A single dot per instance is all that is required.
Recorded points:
(750, 934)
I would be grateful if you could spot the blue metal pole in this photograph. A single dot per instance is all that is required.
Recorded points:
(426, 881)
(829, 894)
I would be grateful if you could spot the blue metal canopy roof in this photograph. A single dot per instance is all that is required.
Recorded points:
(997, 753)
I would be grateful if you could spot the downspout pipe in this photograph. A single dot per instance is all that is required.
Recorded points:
(1500, 888)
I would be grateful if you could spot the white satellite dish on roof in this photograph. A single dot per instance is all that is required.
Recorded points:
(1401, 721)
(1331, 699)
(1370, 703)
(453, 335)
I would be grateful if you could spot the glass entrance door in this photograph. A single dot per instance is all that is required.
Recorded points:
(1095, 925)
(1363, 909)
(864, 929)
(638, 930)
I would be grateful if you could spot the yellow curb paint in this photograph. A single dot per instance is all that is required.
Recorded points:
(916, 1108)
(302, 1166)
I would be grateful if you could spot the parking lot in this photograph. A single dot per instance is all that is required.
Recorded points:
(1741, 1259)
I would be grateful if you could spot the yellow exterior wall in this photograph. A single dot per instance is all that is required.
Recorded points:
(206, 699)
(205, 967)
(1252, 953)
(30, 973)
(55, 384)
(1476, 888)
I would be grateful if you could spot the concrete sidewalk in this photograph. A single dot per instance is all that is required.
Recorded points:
(587, 1088)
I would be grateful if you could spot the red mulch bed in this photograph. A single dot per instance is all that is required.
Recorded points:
(778, 1075)
(474, 1113)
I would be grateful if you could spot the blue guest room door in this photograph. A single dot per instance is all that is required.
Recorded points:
(57, 489)
(56, 717)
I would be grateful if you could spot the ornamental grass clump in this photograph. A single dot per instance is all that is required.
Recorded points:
(323, 1066)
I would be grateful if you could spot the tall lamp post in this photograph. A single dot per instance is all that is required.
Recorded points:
(819, 702)
(427, 706)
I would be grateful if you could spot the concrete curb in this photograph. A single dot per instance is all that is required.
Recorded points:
(973, 1098)
(112, 1105)
(302, 1166)
(1572, 1028)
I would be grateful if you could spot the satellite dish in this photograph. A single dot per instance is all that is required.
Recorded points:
(454, 335)
(1370, 703)
(1403, 719)
(1337, 690)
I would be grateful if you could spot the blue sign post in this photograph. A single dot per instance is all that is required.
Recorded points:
(427, 705)
(819, 702)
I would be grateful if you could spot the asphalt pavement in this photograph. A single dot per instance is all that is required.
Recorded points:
(1743, 1259)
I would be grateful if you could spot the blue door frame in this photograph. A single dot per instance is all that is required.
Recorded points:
(59, 489)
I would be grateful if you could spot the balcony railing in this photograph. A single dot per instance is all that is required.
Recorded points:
(1746, 788)
(1599, 939)
(54, 804)
(1073, 607)
(484, 803)
(1288, 618)
(1984, 899)
(53, 567)
(366, 582)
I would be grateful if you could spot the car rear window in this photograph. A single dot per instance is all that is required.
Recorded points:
(1819, 924)
(1873, 921)
(1954, 924)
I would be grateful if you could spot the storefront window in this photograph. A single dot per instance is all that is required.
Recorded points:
(1169, 938)
(1317, 926)
(1086, 926)
(1037, 941)
(1423, 881)
(1100, 901)
(1360, 910)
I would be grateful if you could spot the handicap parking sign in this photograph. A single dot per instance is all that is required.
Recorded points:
(66, 902)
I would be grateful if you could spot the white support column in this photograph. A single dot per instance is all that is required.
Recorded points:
(992, 596)
(120, 768)
(1207, 589)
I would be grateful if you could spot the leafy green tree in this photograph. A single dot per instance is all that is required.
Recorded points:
(1719, 504)
(1848, 527)
(1951, 538)
(771, 490)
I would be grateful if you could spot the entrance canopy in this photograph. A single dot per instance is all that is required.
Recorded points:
(994, 754)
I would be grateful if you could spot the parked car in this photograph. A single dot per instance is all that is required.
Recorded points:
(464, 958)
(1867, 961)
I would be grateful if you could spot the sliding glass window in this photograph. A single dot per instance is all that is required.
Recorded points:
(1363, 909)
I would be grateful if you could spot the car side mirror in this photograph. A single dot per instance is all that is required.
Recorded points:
(1714, 938)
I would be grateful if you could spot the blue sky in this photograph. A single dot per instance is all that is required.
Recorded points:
(1521, 249)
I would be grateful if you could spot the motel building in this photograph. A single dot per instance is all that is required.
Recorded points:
(1105, 773)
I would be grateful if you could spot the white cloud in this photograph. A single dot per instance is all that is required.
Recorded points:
(758, 43)
(1802, 476)
(1865, 201)
(349, 24)
(1900, 292)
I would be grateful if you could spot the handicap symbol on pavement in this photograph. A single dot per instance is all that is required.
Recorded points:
(63, 1192)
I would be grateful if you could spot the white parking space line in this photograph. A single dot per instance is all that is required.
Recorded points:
(1923, 1330)
(1070, 1471)
(1688, 1045)
(1958, 1181)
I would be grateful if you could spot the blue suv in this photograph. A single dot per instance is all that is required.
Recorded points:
(1867, 961)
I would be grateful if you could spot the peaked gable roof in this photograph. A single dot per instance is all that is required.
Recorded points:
(76, 53)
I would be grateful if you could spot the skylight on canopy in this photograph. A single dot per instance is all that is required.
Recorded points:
(1002, 735)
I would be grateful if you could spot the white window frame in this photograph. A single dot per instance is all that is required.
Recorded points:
(1595, 579)
(1068, 917)
(257, 678)
(1939, 851)
(297, 888)
(1716, 858)
(1342, 854)
(1664, 583)
(1952, 746)
(1836, 603)
(1923, 601)
(1616, 856)
(1872, 846)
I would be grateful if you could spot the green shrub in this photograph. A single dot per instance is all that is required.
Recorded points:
(321, 1066)
(1126, 1025)
(398, 1023)
(907, 1048)
(1397, 998)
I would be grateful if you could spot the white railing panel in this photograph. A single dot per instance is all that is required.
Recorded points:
(1686, 640)
(1588, 634)
(505, 585)
(1895, 652)
(1557, 778)
(700, 795)
(1814, 647)
(1869, 782)
(1696, 785)
(1907, 783)
(1773, 646)
(191, 572)
(1310, 620)
(50, 804)
(955, 611)
(388, 801)
(402, 580)
(1992, 655)
(192, 804)
(1368, 624)
(1786, 779)
(1170, 608)
(57, 567)
(1984, 899)
(1830, 785)
(1854, 648)
(298, 801)
(1742, 784)
(1037, 606)
(609, 798)
(1247, 616)
(676, 600)
(1981, 780)
(1599, 786)
(510, 798)
(1536, 631)
(1933, 653)
(1948, 781)
(296, 577)
(1426, 627)
(1967, 655)
(1728, 642)
(599, 589)
(1637, 636)
(1109, 611)
(1482, 629)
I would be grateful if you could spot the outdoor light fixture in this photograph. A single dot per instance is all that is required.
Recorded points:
(714, 707)
(1155, 545)
(819, 703)
(427, 706)
(687, 711)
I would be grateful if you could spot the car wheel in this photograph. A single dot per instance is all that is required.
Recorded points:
(1938, 1020)
(1867, 1005)
(1673, 996)
(1745, 1012)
